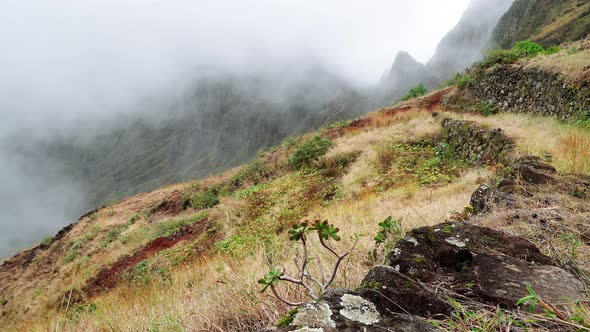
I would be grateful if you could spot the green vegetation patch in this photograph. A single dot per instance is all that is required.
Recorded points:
(273, 206)
(423, 162)
(415, 92)
(309, 152)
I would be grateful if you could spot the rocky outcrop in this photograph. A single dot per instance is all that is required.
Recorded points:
(475, 144)
(431, 264)
(532, 91)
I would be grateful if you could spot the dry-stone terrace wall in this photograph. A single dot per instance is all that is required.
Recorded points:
(533, 91)
(475, 144)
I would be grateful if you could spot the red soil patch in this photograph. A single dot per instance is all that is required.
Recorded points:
(109, 278)
(384, 117)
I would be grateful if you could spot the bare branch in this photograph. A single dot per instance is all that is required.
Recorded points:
(311, 292)
(325, 245)
(304, 263)
(334, 271)
(276, 293)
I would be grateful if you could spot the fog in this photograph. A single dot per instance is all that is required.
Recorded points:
(72, 67)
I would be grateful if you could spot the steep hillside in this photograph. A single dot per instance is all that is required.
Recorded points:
(548, 22)
(187, 257)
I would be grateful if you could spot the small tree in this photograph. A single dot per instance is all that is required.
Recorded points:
(314, 286)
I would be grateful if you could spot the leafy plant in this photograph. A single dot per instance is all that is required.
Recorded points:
(315, 287)
(415, 92)
(533, 299)
(390, 231)
(309, 152)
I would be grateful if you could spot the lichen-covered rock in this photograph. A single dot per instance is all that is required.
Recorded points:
(482, 263)
(349, 311)
(427, 253)
(392, 291)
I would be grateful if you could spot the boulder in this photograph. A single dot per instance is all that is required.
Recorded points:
(483, 264)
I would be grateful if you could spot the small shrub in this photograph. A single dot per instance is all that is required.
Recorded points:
(146, 271)
(487, 108)
(309, 152)
(72, 253)
(171, 226)
(415, 92)
(205, 199)
(527, 49)
(315, 287)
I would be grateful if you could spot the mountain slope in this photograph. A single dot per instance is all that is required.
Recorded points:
(548, 22)
(465, 44)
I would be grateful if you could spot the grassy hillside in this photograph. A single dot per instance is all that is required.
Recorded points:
(187, 257)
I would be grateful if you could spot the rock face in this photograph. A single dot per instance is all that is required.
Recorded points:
(478, 146)
(532, 91)
(527, 19)
(428, 265)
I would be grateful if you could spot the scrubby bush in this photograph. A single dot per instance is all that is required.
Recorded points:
(415, 92)
(205, 199)
(527, 48)
(309, 152)
(523, 49)
(253, 173)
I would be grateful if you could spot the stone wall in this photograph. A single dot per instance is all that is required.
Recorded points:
(533, 91)
(477, 145)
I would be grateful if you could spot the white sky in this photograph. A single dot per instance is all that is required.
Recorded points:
(75, 56)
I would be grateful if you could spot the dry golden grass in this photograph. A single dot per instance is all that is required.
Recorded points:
(574, 66)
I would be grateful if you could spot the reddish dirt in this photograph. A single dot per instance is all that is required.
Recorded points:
(109, 278)
(384, 116)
